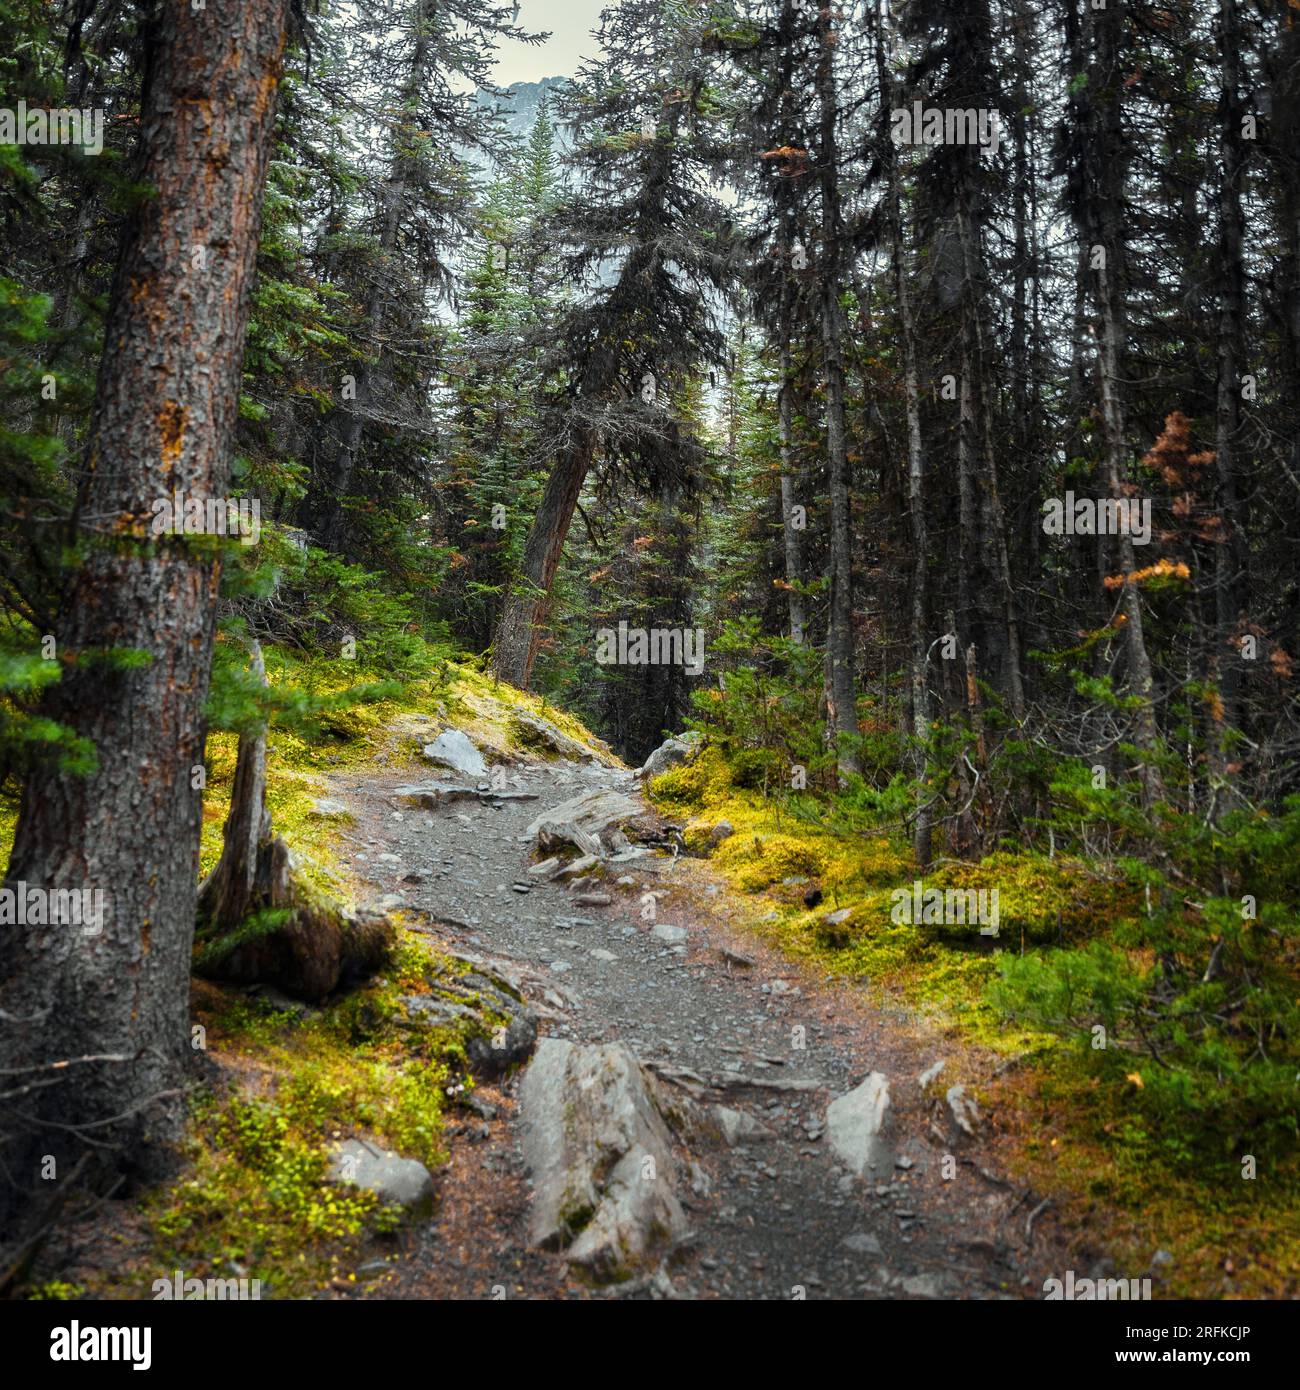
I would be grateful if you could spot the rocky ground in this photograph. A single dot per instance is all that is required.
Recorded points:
(711, 1169)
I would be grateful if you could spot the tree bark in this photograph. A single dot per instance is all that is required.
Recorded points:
(304, 943)
(1229, 556)
(164, 413)
(519, 631)
(793, 559)
(230, 891)
(842, 722)
(918, 630)
(322, 510)
(1105, 219)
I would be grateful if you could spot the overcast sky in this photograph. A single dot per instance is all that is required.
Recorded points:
(570, 23)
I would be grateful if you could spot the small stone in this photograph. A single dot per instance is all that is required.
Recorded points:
(965, 1113)
(722, 831)
(931, 1073)
(737, 1127)
(403, 1181)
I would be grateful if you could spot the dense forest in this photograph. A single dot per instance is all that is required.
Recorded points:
(893, 404)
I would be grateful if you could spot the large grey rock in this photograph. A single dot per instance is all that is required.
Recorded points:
(455, 750)
(669, 754)
(429, 1009)
(432, 795)
(390, 1177)
(601, 1159)
(493, 1054)
(854, 1123)
(582, 820)
(537, 732)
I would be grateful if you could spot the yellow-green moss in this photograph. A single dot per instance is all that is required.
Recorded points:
(1069, 1135)
(254, 1194)
(699, 785)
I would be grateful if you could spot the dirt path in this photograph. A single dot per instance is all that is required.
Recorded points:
(769, 1217)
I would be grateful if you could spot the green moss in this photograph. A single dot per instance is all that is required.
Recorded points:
(55, 1291)
(1082, 1140)
(255, 1192)
(701, 784)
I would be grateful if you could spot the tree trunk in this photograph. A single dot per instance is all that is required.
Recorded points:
(1229, 556)
(164, 412)
(793, 559)
(918, 632)
(230, 892)
(843, 717)
(302, 942)
(519, 631)
(1107, 221)
(322, 510)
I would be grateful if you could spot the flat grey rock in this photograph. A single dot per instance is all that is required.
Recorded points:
(854, 1123)
(931, 1073)
(739, 1128)
(393, 1179)
(455, 750)
(582, 820)
(432, 795)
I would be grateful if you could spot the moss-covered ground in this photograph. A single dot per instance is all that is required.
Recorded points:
(1058, 1128)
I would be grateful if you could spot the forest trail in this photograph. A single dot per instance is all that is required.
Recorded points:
(768, 1217)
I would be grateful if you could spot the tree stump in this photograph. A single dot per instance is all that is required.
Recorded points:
(259, 922)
